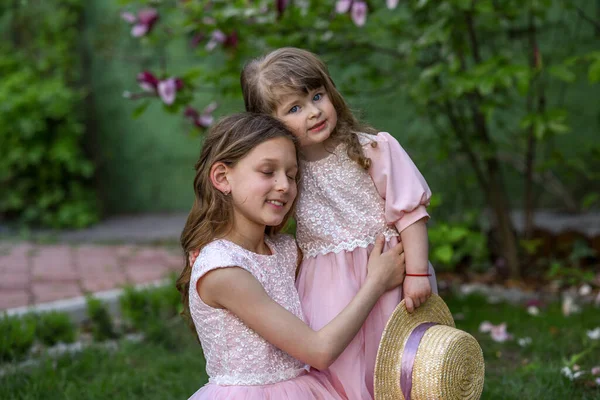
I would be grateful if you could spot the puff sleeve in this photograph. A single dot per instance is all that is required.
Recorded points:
(398, 182)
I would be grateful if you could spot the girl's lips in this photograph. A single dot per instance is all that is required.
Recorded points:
(318, 127)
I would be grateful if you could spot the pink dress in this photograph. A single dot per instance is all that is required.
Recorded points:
(241, 364)
(341, 209)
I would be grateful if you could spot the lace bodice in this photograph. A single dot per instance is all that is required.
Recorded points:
(235, 354)
(338, 207)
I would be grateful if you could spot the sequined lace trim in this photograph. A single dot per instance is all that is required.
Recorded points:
(257, 379)
(313, 249)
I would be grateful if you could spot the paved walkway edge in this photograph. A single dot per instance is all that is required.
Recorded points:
(76, 307)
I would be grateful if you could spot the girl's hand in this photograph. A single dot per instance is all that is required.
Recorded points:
(416, 290)
(192, 256)
(386, 269)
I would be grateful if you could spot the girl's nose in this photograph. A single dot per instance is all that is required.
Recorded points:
(282, 184)
(314, 111)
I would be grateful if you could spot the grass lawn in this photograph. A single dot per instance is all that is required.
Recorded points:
(174, 368)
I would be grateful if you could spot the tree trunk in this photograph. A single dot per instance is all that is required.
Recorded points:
(497, 199)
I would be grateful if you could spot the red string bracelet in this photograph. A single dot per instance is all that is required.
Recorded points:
(417, 274)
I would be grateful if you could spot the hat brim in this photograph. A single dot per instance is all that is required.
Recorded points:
(399, 326)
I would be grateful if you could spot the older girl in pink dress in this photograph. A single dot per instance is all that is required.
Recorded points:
(238, 285)
(356, 183)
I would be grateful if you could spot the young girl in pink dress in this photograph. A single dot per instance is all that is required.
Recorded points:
(238, 285)
(356, 183)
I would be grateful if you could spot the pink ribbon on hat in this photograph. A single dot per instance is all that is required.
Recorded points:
(408, 358)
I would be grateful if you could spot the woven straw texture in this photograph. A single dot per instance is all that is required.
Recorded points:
(449, 362)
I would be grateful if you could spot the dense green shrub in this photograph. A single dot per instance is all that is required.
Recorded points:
(16, 336)
(53, 327)
(142, 308)
(41, 118)
(100, 320)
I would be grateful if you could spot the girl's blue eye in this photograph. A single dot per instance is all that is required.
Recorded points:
(293, 110)
(317, 97)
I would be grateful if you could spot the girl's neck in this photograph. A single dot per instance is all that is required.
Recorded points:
(254, 243)
(318, 151)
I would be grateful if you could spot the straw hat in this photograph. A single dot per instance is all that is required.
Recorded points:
(423, 356)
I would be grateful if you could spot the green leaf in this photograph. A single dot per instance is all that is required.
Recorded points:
(140, 109)
(563, 73)
(594, 71)
(443, 254)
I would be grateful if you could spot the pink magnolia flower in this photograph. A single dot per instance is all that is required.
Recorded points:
(343, 6)
(204, 119)
(143, 22)
(391, 4)
(499, 333)
(485, 327)
(281, 5)
(167, 89)
(596, 370)
(359, 13)
(218, 37)
(147, 81)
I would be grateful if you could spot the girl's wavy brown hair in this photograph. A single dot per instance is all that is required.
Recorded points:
(211, 216)
(295, 71)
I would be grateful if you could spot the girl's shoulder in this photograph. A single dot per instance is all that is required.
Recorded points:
(220, 253)
(366, 139)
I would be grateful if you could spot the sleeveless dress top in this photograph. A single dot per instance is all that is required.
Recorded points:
(239, 362)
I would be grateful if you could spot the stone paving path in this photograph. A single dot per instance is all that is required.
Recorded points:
(33, 274)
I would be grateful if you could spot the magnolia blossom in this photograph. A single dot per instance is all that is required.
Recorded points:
(204, 119)
(594, 334)
(281, 5)
(343, 6)
(167, 89)
(497, 332)
(598, 381)
(218, 37)
(143, 22)
(147, 81)
(359, 13)
(485, 327)
(391, 4)
(596, 370)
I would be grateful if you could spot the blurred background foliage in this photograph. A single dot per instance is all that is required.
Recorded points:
(496, 101)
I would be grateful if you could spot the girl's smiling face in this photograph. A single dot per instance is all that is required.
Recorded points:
(311, 117)
(263, 184)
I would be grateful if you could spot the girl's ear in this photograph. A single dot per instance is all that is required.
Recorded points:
(218, 177)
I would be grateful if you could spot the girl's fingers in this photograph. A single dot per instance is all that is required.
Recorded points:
(410, 307)
(378, 247)
(398, 248)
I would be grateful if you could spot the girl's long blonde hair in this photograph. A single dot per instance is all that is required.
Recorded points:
(291, 71)
(230, 140)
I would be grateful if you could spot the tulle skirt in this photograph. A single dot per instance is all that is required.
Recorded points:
(326, 284)
(313, 385)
